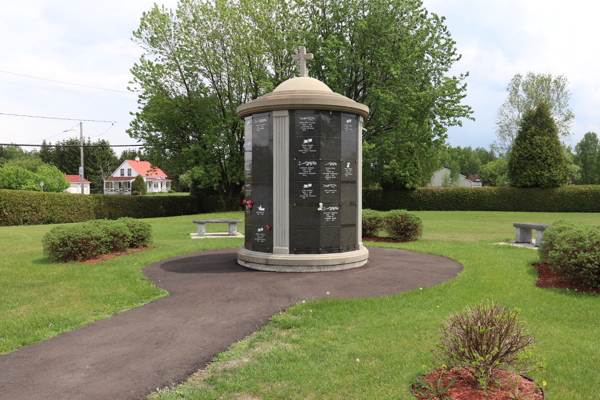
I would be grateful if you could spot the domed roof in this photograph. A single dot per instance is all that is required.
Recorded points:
(302, 93)
(302, 83)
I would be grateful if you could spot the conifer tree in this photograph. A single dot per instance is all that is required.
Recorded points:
(537, 158)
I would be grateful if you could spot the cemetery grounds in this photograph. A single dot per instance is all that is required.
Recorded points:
(351, 349)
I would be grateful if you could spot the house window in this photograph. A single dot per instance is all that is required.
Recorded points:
(128, 171)
(122, 172)
(156, 185)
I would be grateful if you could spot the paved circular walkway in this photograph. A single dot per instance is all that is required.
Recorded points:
(213, 303)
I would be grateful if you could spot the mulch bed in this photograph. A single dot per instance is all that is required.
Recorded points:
(504, 385)
(547, 279)
(113, 255)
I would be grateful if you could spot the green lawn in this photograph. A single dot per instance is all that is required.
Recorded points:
(311, 350)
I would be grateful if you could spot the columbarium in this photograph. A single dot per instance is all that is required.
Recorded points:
(303, 178)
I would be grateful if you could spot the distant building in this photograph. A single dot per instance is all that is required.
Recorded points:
(75, 187)
(438, 178)
(121, 180)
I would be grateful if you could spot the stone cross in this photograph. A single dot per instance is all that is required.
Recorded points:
(302, 56)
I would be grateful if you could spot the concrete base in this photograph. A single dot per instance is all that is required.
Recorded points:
(216, 235)
(302, 262)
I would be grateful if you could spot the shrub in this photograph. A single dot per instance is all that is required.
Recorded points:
(372, 222)
(402, 226)
(485, 338)
(564, 199)
(139, 185)
(573, 250)
(141, 232)
(19, 207)
(93, 238)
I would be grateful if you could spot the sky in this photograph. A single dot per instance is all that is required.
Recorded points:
(71, 59)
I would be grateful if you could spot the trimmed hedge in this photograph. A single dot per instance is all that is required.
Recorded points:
(20, 207)
(564, 199)
(573, 251)
(93, 238)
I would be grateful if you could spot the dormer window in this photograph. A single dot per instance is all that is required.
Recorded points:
(128, 171)
(122, 172)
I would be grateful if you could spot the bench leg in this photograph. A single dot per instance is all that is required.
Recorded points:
(200, 229)
(232, 229)
(539, 237)
(524, 235)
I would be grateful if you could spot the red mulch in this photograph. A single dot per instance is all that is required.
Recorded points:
(113, 255)
(502, 386)
(547, 278)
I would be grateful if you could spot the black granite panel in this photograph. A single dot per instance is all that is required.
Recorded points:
(348, 170)
(348, 214)
(262, 154)
(330, 215)
(305, 215)
(349, 151)
(330, 237)
(330, 148)
(248, 190)
(262, 131)
(307, 123)
(330, 192)
(304, 239)
(304, 170)
(261, 193)
(304, 192)
(262, 213)
(330, 171)
(262, 171)
(330, 124)
(348, 238)
(349, 124)
(305, 147)
(247, 218)
(349, 193)
(261, 237)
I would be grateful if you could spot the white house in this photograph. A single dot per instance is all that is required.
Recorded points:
(75, 187)
(438, 178)
(121, 180)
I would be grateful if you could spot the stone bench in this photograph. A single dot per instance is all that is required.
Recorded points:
(524, 234)
(200, 232)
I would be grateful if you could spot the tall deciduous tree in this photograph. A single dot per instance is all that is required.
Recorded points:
(205, 59)
(588, 158)
(525, 93)
(393, 56)
(537, 158)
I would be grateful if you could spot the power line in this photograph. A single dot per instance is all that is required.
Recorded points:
(69, 91)
(66, 83)
(71, 145)
(64, 119)
(60, 133)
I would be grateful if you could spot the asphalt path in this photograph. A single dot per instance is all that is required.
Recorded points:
(213, 303)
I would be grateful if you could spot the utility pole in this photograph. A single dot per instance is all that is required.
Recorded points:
(81, 153)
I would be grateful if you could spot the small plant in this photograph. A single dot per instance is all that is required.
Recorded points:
(402, 225)
(573, 250)
(372, 222)
(139, 185)
(484, 339)
(436, 390)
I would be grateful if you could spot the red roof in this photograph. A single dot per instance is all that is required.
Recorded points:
(75, 179)
(144, 168)
(131, 178)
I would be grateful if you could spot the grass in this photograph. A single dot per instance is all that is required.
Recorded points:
(356, 349)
